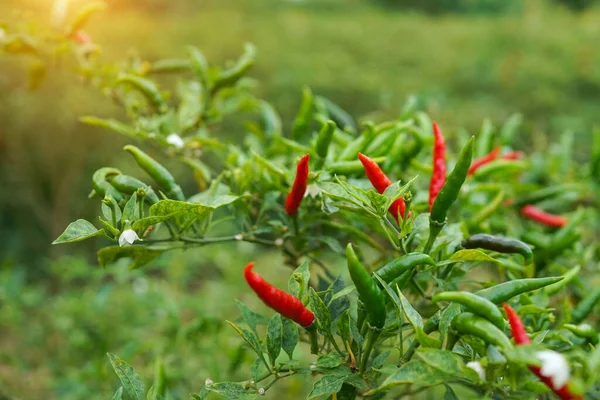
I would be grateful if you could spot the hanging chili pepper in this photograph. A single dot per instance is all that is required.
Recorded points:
(567, 278)
(535, 214)
(488, 158)
(232, 75)
(400, 265)
(471, 324)
(585, 306)
(583, 331)
(295, 196)
(324, 139)
(505, 291)
(521, 337)
(512, 155)
(477, 304)
(129, 185)
(438, 177)
(284, 303)
(367, 288)
(101, 184)
(499, 244)
(160, 174)
(380, 182)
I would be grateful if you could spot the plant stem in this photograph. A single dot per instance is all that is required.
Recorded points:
(372, 335)
(314, 339)
(434, 230)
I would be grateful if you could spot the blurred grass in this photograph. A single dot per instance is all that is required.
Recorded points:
(541, 61)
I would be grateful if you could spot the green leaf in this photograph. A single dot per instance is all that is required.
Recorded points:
(118, 394)
(330, 360)
(473, 255)
(203, 395)
(141, 225)
(416, 321)
(249, 337)
(342, 293)
(446, 318)
(380, 359)
(289, 336)
(191, 105)
(321, 311)
(231, 390)
(258, 369)
(274, 337)
(413, 372)
(447, 362)
(174, 207)
(395, 191)
(131, 211)
(299, 280)
(343, 326)
(115, 126)
(141, 255)
(78, 231)
(450, 395)
(207, 199)
(129, 379)
(327, 385)
(250, 317)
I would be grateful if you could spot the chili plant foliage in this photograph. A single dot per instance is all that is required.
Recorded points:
(433, 258)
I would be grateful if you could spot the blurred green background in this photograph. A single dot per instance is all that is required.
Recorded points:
(59, 315)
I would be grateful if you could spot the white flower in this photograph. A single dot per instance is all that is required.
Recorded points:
(174, 140)
(239, 236)
(312, 190)
(477, 367)
(261, 391)
(555, 367)
(278, 242)
(128, 236)
(208, 382)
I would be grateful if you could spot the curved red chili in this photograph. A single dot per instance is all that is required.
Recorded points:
(521, 337)
(284, 303)
(543, 217)
(380, 182)
(296, 194)
(488, 158)
(438, 177)
(512, 155)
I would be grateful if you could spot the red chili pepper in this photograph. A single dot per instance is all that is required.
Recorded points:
(284, 303)
(521, 337)
(512, 155)
(438, 177)
(488, 158)
(294, 198)
(81, 37)
(380, 182)
(543, 217)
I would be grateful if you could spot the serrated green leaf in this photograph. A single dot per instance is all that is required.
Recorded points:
(129, 379)
(289, 336)
(78, 231)
(274, 337)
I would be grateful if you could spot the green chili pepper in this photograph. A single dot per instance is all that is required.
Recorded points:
(544, 194)
(449, 192)
(584, 331)
(501, 166)
(400, 265)
(586, 305)
(401, 280)
(367, 289)
(341, 117)
(231, 76)
(101, 184)
(129, 185)
(303, 119)
(471, 324)
(324, 139)
(170, 65)
(505, 291)
(567, 278)
(492, 205)
(381, 143)
(157, 172)
(499, 244)
(510, 128)
(350, 167)
(539, 240)
(485, 139)
(147, 88)
(477, 304)
(356, 146)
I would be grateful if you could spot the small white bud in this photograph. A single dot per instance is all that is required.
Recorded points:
(279, 242)
(128, 236)
(555, 367)
(208, 382)
(312, 190)
(261, 391)
(174, 140)
(239, 236)
(477, 367)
